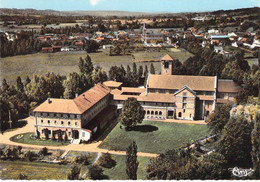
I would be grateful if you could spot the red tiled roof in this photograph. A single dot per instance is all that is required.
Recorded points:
(176, 82)
(228, 86)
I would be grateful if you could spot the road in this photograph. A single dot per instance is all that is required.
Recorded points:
(93, 147)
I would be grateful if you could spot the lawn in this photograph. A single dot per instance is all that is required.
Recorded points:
(60, 63)
(34, 170)
(154, 137)
(181, 55)
(44, 171)
(30, 140)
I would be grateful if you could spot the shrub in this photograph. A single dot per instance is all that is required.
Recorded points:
(94, 172)
(43, 151)
(22, 177)
(81, 159)
(30, 156)
(106, 160)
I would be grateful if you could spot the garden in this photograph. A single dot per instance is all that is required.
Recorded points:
(29, 138)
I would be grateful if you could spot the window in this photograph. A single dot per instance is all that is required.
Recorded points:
(152, 113)
(190, 115)
(148, 112)
(49, 131)
(166, 65)
(160, 113)
(184, 99)
(55, 114)
(184, 93)
(55, 122)
(42, 131)
(49, 122)
(41, 121)
(62, 122)
(156, 112)
(184, 105)
(179, 115)
(61, 115)
(69, 123)
(76, 123)
(170, 113)
(69, 134)
(48, 114)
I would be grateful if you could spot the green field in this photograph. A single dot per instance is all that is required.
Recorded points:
(60, 63)
(34, 170)
(44, 171)
(181, 55)
(67, 62)
(28, 140)
(156, 137)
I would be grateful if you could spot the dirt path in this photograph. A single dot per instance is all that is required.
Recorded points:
(93, 147)
(182, 121)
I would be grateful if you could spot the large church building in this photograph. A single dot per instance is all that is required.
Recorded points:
(164, 96)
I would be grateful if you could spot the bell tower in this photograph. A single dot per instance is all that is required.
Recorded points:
(166, 65)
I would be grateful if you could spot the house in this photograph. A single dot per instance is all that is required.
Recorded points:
(77, 118)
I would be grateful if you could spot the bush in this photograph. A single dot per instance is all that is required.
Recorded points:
(106, 160)
(74, 173)
(22, 177)
(81, 159)
(43, 151)
(30, 156)
(94, 172)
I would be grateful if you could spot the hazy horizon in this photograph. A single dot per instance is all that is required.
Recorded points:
(144, 6)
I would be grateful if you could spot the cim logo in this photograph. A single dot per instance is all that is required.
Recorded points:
(239, 172)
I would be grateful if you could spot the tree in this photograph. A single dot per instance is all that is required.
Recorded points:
(91, 46)
(43, 151)
(94, 172)
(152, 70)
(106, 160)
(29, 156)
(46, 133)
(74, 173)
(132, 113)
(219, 118)
(19, 148)
(72, 85)
(99, 75)
(255, 139)
(19, 84)
(131, 161)
(85, 66)
(235, 142)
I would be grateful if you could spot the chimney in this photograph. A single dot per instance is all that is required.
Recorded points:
(84, 96)
(49, 100)
(76, 95)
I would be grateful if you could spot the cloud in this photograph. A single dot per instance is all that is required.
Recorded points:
(94, 2)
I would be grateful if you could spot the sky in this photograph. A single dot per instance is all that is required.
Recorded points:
(173, 6)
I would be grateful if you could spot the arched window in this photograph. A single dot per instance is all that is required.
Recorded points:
(160, 113)
(179, 115)
(156, 112)
(152, 113)
(148, 112)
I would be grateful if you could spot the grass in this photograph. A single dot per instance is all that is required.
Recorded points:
(182, 55)
(27, 139)
(156, 137)
(43, 171)
(60, 63)
(118, 172)
(34, 170)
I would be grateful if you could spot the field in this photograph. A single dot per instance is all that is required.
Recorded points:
(181, 55)
(154, 137)
(60, 63)
(28, 140)
(44, 171)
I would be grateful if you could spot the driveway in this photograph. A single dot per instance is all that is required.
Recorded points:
(93, 147)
